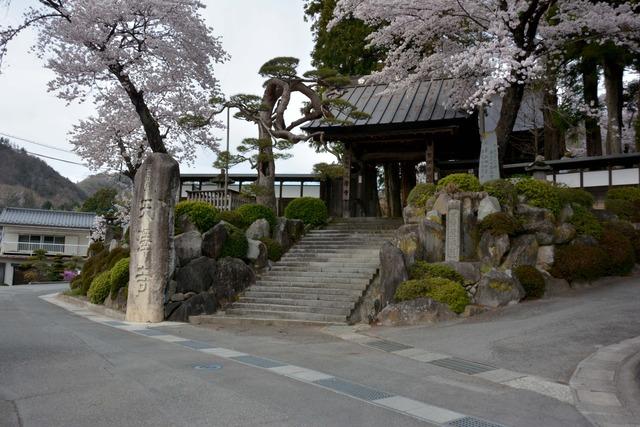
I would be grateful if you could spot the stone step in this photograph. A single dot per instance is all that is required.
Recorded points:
(374, 263)
(307, 290)
(280, 306)
(326, 268)
(306, 302)
(319, 258)
(324, 274)
(315, 280)
(304, 294)
(310, 285)
(266, 314)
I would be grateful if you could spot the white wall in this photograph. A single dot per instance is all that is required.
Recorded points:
(76, 241)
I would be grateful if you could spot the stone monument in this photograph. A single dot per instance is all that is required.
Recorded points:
(489, 163)
(453, 237)
(152, 226)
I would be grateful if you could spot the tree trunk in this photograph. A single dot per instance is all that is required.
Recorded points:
(265, 184)
(409, 180)
(613, 72)
(511, 102)
(590, 89)
(554, 144)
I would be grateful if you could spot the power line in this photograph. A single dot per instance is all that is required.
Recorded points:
(55, 158)
(30, 141)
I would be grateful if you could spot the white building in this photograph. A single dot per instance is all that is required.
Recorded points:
(22, 231)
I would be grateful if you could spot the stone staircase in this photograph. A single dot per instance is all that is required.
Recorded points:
(322, 277)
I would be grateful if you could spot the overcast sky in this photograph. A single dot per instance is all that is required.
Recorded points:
(253, 31)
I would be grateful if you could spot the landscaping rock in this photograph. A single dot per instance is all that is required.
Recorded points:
(564, 233)
(258, 230)
(469, 270)
(178, 297)
(412, 215)
(188, 246)
(586, 240)
(488, 206)
(231, 277)
(566, 213)
(434, 216)
(546, 256)
(213, 240)
(202, 303)
(442, 203)
(492, 249)
(287, 231)
(184, 224)
(295, 228)
(257, 253)
(497, 289)
(197, 276)
(414, 312)
(555, 286)
(474, 310)
(431, 236)
(408, 241)
(393, 271)
(524, 251)
(119, 303)
(531, 214)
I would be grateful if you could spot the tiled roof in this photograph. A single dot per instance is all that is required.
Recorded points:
(45, 218)
(424, 102)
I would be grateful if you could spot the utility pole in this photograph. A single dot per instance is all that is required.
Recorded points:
(226, 166)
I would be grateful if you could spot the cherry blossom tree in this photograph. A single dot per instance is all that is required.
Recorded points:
(493, 47)
(146, 64)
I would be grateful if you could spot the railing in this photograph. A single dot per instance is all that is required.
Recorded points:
(216, 198)
(51, 248)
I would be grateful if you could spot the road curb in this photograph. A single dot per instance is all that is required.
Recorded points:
(99, 309)
(605, 386)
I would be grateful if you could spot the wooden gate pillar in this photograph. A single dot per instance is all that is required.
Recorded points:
(430, 158)
(346, 183)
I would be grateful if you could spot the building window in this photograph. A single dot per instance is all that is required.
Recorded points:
(31, 242)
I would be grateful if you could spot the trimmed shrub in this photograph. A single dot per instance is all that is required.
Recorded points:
(620, 254)
(76, 282)
(575, 196)
(114, 256)
(424, 270)
(437, 288)
(499, 223)
(541, 194)
(503, 190)
(419, 195)
(585, 222)
(310, 210)
(624, 202)
(201, 214)
(119, 276)
(626, 229)
(274, 249)
(462, 181)
(579, 262)
(232, 217)
(531, 280)
(236, 245)
(94, 266)
(100, 287)
(250, 213)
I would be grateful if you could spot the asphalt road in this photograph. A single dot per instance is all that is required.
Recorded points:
(60, 369)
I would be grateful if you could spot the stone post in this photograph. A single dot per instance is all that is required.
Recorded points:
(152, 226)
(453, 239)
(488, 164)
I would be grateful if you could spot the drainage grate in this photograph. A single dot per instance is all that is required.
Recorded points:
(113, 323)
(259, 361)
(472, 422)
(355, 390)
(208, 367)
(196, 345)
(150, 332)
(461, 365)
(388, 346)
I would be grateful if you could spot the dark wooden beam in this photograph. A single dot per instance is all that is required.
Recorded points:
(430, 158)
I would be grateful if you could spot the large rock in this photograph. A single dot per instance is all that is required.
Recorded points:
(564, 233)
(524, 251)
(407, 239)
(488, 206)
(546, 256)
(492, 249)
(231, 277)
(288, 231)
(203, 303)
(497, 289)
(295, 228)
(258, 230)
(469, 270)
(431, 236)
(442, 203)
(414, 312)
(119, 303)
(213, 240)
(537, 221)
(554, 286)
(197, 276)
(152, 225)
(531, 214)
(188, 246)
(393, 271)
(257, 253)
(412, 215)
(184, 224)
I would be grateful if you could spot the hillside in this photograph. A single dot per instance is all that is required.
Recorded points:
(93, 183)
(27, 181)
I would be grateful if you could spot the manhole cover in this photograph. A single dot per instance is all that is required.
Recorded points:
(208, 367)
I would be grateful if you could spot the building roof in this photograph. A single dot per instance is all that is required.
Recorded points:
(46, 218)
(423, 102)
(235, 177)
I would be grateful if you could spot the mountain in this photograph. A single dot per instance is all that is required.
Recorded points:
(93, 183)
(26, 181)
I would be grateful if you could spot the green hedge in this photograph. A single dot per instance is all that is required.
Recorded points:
(575, 196)
(251, 213)
(462, 182)
(579, 262)
(437, 288)
(499, 223)
(201, 214)
(541, 194)
(274, 249)
(232, 217)
(424, 270)
(620, 253)
(236, 245)
(531, 280)
(503, 190)
(419, 195)
(624, 202)
(585, 222)
(119, 276)
(100, 287)
(310, 210)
